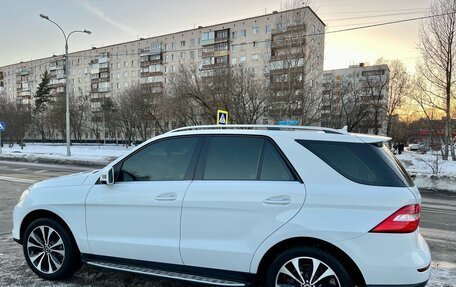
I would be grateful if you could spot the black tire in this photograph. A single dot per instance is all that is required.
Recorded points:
(341, 278)
(59, 259)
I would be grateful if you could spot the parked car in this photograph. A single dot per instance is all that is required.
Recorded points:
(413, 146)
(235, 206)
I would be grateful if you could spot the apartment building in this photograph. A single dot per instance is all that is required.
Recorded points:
(272, 46)
(356, 97)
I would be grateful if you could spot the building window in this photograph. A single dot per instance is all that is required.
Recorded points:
(233, 61)
(192, 54)
(233, 35)
(207, 36)
(222, 34)
(255, 30)
(221, 60)
(256, 44)
(255, 57)
(221, 46)
(173, 46)
(172, 57)
(192, 42)
(182, 55)
(243, 59)
(268, 29)
(244, 33)
(125, 63)
(182, 43)
(243, 47)
(233, 48)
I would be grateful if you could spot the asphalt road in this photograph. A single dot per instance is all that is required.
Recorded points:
(438, 226)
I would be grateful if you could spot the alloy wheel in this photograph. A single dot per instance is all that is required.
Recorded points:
(46, 249)
(306, 272)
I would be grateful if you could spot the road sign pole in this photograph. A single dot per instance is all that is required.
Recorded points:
(0, 142)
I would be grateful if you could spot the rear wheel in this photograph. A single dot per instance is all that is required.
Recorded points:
(307, 267)
(49, 250)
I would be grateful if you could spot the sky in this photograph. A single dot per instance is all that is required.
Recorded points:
(25, 36)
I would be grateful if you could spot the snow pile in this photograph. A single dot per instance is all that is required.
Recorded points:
(81, 154)
(430, 171)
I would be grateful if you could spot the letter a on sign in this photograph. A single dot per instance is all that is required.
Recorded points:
(222, 117)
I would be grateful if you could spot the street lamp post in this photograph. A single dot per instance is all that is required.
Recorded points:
(67, 83)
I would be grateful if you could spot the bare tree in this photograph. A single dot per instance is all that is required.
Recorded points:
(435, 70)
(242, 93)
(376, 89)
(17, 118)
(79, 113)
(345, 103)
(399, 89)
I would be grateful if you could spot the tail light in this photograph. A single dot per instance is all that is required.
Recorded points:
(405, 220)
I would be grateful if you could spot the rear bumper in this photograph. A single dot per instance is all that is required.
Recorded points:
(390, 259)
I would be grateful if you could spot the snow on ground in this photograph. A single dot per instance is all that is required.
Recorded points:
(429, 170)
(85, 154)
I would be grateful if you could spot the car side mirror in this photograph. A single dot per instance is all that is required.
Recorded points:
(107, 177)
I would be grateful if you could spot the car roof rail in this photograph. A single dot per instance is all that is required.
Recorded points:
(261, 127)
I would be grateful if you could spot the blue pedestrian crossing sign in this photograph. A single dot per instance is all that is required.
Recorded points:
(222, 117)
(2, 126)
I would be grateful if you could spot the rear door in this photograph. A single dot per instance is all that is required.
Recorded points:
(244, 189)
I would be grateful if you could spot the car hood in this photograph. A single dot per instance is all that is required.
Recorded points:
(67, 180)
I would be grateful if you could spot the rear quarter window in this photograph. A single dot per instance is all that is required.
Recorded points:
(363, 163)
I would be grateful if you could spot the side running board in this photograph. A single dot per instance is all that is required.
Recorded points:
(166, 274)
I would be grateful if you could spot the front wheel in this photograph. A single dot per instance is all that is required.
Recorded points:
(49, 250)
(307, 267)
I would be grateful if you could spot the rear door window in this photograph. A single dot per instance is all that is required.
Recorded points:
(244, 158)
(360, 162)
(231, 158)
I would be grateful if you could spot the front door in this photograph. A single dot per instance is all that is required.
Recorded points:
(138, 217)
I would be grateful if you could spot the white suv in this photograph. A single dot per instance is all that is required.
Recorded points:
(235, 206)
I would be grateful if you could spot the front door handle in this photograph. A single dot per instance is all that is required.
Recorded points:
(277, 200)
(170, 196)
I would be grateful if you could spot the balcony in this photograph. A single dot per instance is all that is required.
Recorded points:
(224, 39)
(221, 53)
(215, 66)
(286, 86)
(23, 71)
(289, 29)
(208, 54)
(151, 74)
(100, 90)
(150, 62)
(289, 43)
(25, 94)
(104, 70)
(152, 85)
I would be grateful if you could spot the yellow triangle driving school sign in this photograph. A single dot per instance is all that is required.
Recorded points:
(222, 117)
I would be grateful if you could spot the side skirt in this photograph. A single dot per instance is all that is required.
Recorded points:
(199, 275)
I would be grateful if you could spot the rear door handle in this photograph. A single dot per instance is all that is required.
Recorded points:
(277, 200)
(170, 196)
